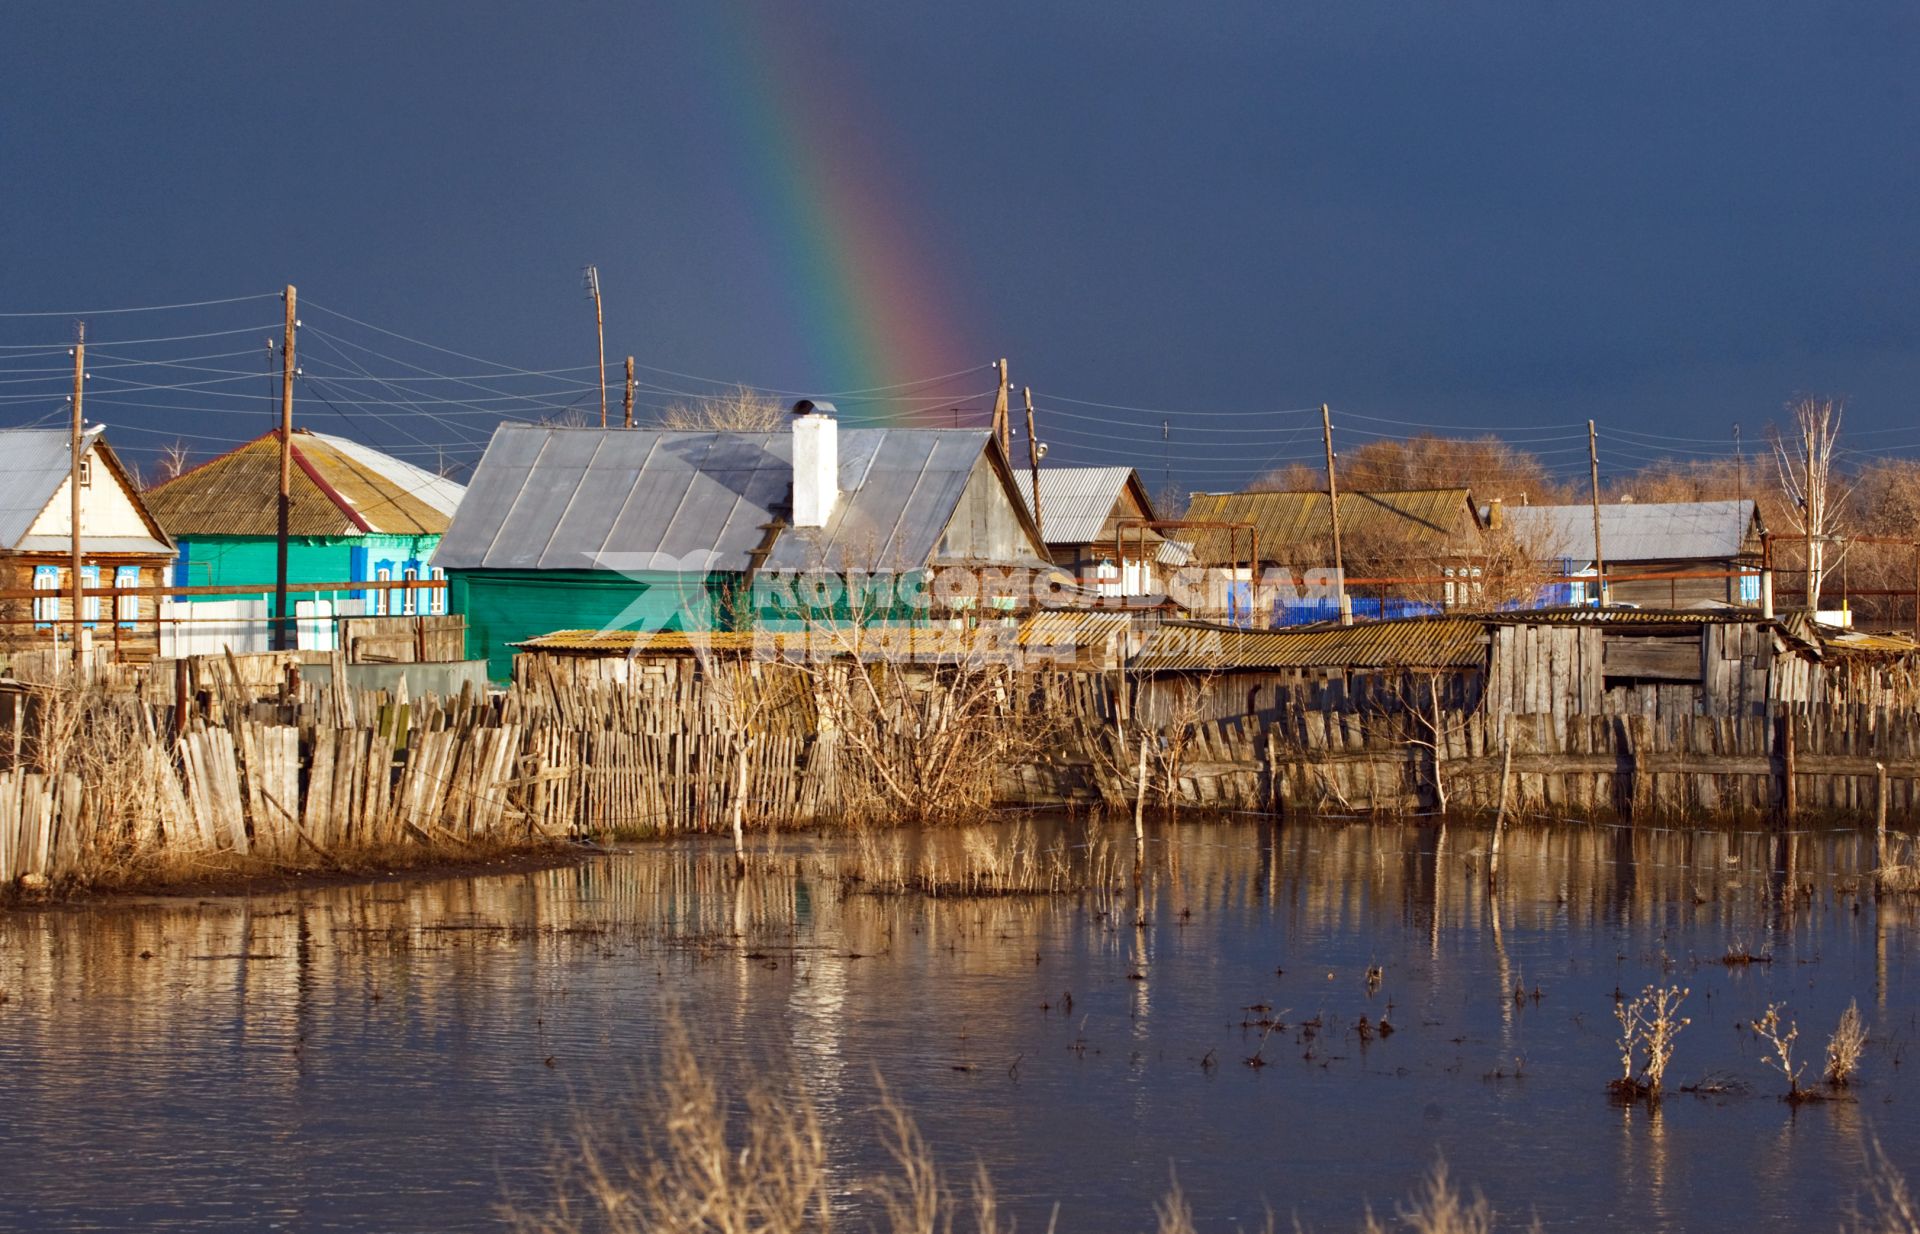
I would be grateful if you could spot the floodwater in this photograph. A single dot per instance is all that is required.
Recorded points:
(408, 1055)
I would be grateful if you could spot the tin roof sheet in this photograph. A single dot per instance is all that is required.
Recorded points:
(1077, 503)
(651, 499)
(1428, 643)
(1285, 523)
(1638, 531)
(34, 465)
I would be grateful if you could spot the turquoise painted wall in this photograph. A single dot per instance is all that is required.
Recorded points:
(503, 607)
(238, 561)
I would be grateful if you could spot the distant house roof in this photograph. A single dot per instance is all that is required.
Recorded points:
(340, 488)
(546, 498)
(1417, 517)
(1639, 531)
(1077, 503)
(34, 466)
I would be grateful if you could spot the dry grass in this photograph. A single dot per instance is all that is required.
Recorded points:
(1901, 873)
(981, 863)
(1649, 1024)
(1844, 1048)
(688, 1160)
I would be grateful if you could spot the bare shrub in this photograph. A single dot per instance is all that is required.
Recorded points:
(1769, 1029)
(1649, 1024)
(1844, 1048)
(739, 410)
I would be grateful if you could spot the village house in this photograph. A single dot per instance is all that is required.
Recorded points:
(588, 528)
(1431, 536)
(1676, 554)
(1094, 521)
(358, 515)
(121, 544)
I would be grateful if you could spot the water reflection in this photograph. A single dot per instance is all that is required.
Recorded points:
(395, 1056)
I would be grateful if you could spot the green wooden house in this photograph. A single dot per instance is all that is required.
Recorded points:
(358, 515)
(604, 529)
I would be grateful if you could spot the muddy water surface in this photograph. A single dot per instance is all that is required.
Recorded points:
(404, 1057)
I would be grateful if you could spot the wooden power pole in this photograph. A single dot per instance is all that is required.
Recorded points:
(73, 484)
(1033, 466)
(600, 327)
(1000, 430)
(629, 402)
(1333, 514)
(1599, 557)
(282, 626)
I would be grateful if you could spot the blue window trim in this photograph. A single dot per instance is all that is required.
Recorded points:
(359, 571)
(180, 565)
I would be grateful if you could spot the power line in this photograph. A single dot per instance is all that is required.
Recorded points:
(145, 308)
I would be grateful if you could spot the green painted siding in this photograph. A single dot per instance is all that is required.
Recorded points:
(503, 607)
(239, 561)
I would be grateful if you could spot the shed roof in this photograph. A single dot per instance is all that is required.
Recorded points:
(34, 465)
(1639, 531)
(339, 487)
(1427, 643)
(1416, 517)
(548, 498)
(1077, 503)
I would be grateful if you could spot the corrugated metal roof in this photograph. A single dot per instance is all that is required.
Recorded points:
(434, 492)
(1288, 522)
(339, 488)
(34, 464)
(1053, 631)
(1429, 643)
(1637, 531)
(1077, 503)
(550, 498)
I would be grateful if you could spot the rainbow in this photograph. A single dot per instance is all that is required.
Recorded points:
(867, 310)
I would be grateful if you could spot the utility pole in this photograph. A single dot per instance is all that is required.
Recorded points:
(1001, 432)
(1599, 560)
(1033, 464)
(600, 328)
(629, 403)
(1333, 514)
(73, 483)
(283, 629)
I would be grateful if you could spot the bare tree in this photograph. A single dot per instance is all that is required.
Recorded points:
(739, 410)
(1805, 466)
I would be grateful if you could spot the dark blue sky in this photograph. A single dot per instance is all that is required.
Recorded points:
(1668, 218)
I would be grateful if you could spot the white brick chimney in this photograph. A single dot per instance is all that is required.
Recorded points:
(816, 462)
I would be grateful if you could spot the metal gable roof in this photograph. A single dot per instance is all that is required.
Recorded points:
(650, 499)
(1637, 531)
(34, 464)
(1076, 503)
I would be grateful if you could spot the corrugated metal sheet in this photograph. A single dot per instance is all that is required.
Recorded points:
(563, 498)
(34, 464)
(238, 493)
(1052, 632)
(1077, 503)
(1289, 523)
(1434, 643)
(1637, 531)
(434, 492)
(1616, 616)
